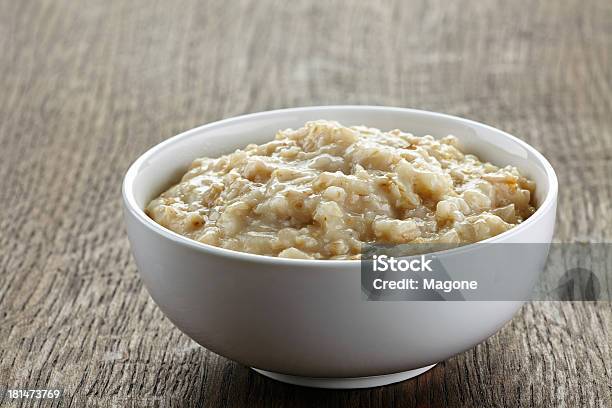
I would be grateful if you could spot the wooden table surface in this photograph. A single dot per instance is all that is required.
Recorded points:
(85, 87)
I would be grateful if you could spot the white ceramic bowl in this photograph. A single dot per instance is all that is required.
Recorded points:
(304, 321)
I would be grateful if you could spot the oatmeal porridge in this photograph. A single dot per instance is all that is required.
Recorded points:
(324, 190)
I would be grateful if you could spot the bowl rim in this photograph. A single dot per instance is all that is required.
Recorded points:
(131, 206)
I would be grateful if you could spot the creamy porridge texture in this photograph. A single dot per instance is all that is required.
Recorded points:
(321, 191)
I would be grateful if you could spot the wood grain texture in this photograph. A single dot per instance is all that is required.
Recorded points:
(85, 87)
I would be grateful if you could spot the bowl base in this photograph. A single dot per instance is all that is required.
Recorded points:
(345, 383)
